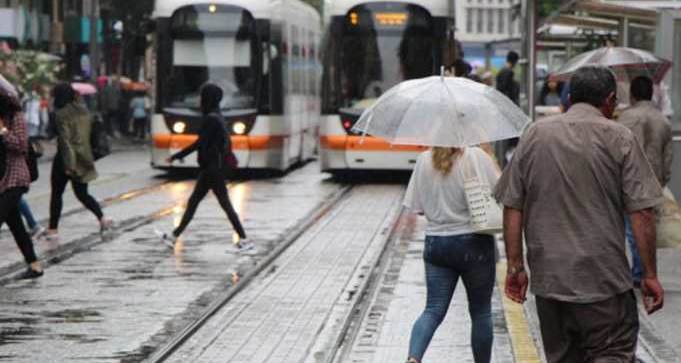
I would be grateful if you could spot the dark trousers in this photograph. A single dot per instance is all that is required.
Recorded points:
(140, 125)
(601, 332)
(111, 122)
(9, 213)
(59, 180)
(210, 179)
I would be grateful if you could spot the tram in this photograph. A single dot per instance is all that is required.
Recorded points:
(264, 54)
(368, 47)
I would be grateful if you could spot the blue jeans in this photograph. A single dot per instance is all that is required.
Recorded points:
(470, 257)
(25, 211)
(636, 269)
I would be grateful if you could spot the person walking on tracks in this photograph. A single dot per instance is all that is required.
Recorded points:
(213, 145)
(74, 161)
(15, 177)
(571, 182)
(452, 250)
(654, 131)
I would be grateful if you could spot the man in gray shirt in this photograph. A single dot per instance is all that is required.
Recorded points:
(570, 183)
(654, 132)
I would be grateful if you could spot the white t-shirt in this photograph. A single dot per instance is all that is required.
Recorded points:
(441, 198)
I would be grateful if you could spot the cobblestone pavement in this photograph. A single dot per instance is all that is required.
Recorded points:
(119, 300)
(277, 318)
(398, 300)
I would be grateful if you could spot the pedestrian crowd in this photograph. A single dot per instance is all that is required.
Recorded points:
(576, 188)
(75, 129)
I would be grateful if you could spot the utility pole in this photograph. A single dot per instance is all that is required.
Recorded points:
(529, 14)
(94, 45)
(57, 29)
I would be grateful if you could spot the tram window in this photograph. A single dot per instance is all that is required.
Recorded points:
(377, 52)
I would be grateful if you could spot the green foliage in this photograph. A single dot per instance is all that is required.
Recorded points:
(546, 7)
(27, 69)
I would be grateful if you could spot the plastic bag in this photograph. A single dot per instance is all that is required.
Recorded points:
(669, 222)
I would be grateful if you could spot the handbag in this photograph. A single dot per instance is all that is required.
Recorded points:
(486, 215)
(35, 151)
(230, 161)
(669, 222)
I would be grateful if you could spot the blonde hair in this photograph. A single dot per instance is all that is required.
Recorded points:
(444, 157)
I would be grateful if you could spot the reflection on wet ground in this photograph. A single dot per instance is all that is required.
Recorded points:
(121, 299)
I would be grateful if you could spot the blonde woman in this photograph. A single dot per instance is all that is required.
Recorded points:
(452, 251)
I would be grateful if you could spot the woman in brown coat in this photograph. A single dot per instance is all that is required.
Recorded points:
(74, 161)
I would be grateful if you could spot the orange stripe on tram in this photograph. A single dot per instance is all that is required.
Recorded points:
(263, 142)
(368, 143)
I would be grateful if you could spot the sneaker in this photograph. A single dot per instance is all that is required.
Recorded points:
(51, 236)
(245, 245)
(38, 231)
(30, 274)
(105, 225)
(167, 239)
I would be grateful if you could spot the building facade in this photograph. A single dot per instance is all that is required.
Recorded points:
(479, 22)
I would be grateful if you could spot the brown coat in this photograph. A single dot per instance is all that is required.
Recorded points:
(74, 125)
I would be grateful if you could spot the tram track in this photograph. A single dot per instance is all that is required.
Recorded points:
(292, 236)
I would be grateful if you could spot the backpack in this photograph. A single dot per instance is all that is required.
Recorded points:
(35, 151)
(99, 140)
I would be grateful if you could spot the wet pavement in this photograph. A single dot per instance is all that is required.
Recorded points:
(278, 317)
(383, 331)
(122, 297)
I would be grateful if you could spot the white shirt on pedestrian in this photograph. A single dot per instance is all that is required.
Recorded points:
(441, 198)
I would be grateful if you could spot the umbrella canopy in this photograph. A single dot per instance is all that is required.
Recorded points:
(627, 63)
(84, 89)
(442, 111)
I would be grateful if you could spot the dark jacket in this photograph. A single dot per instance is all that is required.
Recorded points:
(211, 144)
(507, 85)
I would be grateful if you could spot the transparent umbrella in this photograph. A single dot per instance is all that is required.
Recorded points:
(442, 111)
(627, 63)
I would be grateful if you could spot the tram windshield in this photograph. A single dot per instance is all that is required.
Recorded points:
(382, 45)
(213, 44)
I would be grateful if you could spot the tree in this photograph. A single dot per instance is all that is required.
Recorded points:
(547, 7)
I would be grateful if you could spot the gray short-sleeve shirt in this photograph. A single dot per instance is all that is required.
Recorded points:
(574, 176)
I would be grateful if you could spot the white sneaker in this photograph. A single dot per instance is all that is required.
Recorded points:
(166, 238)
(246, 245)
(105, 225)
(51, 236)
(38, 231)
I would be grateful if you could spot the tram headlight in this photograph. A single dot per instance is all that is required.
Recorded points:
(179, 127)
(212, 8)
(239, 128)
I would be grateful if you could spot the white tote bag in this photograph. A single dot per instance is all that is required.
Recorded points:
(486, 215)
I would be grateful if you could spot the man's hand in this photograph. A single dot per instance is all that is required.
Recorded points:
(516, 286)
(653, 294)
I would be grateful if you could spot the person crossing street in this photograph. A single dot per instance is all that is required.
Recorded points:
(212, 146)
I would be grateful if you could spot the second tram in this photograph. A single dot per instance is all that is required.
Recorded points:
(370, 46)
(262, 53)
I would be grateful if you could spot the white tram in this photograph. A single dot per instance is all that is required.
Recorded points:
(265, 56)
(370, 46)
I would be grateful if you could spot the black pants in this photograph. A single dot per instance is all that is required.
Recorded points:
(59, 180)
(210, 179)
(9, 213)
(601, 332)
(111, 121)
(140, 125)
